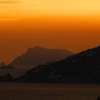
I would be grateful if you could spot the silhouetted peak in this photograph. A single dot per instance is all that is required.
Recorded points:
(83, 67)
(97, 49)
(92, 52)
(39, 55)
(43, 49)
(36, 48)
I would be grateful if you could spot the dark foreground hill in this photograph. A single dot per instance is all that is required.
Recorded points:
(80, 68)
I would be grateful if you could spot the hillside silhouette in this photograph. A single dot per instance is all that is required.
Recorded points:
(39, 55)
(83, 67)
(33, 57)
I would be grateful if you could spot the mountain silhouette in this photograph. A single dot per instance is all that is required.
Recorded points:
(37, 56)
(83, 67)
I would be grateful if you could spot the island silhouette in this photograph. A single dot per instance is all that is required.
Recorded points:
(32, 58)
(83, 67)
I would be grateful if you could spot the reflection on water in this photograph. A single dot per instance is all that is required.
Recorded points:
(48, 92)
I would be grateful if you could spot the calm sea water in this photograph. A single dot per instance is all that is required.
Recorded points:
(48, 92)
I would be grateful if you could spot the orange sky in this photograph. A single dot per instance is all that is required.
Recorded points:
(72, 24)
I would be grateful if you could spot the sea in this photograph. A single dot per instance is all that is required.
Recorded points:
(30, 91)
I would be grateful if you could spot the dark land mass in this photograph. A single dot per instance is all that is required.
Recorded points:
(36, 56)
(80, 68)
(39, 55)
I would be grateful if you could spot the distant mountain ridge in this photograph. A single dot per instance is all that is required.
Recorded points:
(36, 56)
(39, 55)
(83, 67)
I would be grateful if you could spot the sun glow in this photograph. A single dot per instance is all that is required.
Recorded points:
(73, 24)
(24, 8)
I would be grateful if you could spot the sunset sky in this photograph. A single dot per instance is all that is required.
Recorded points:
(65, 24)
